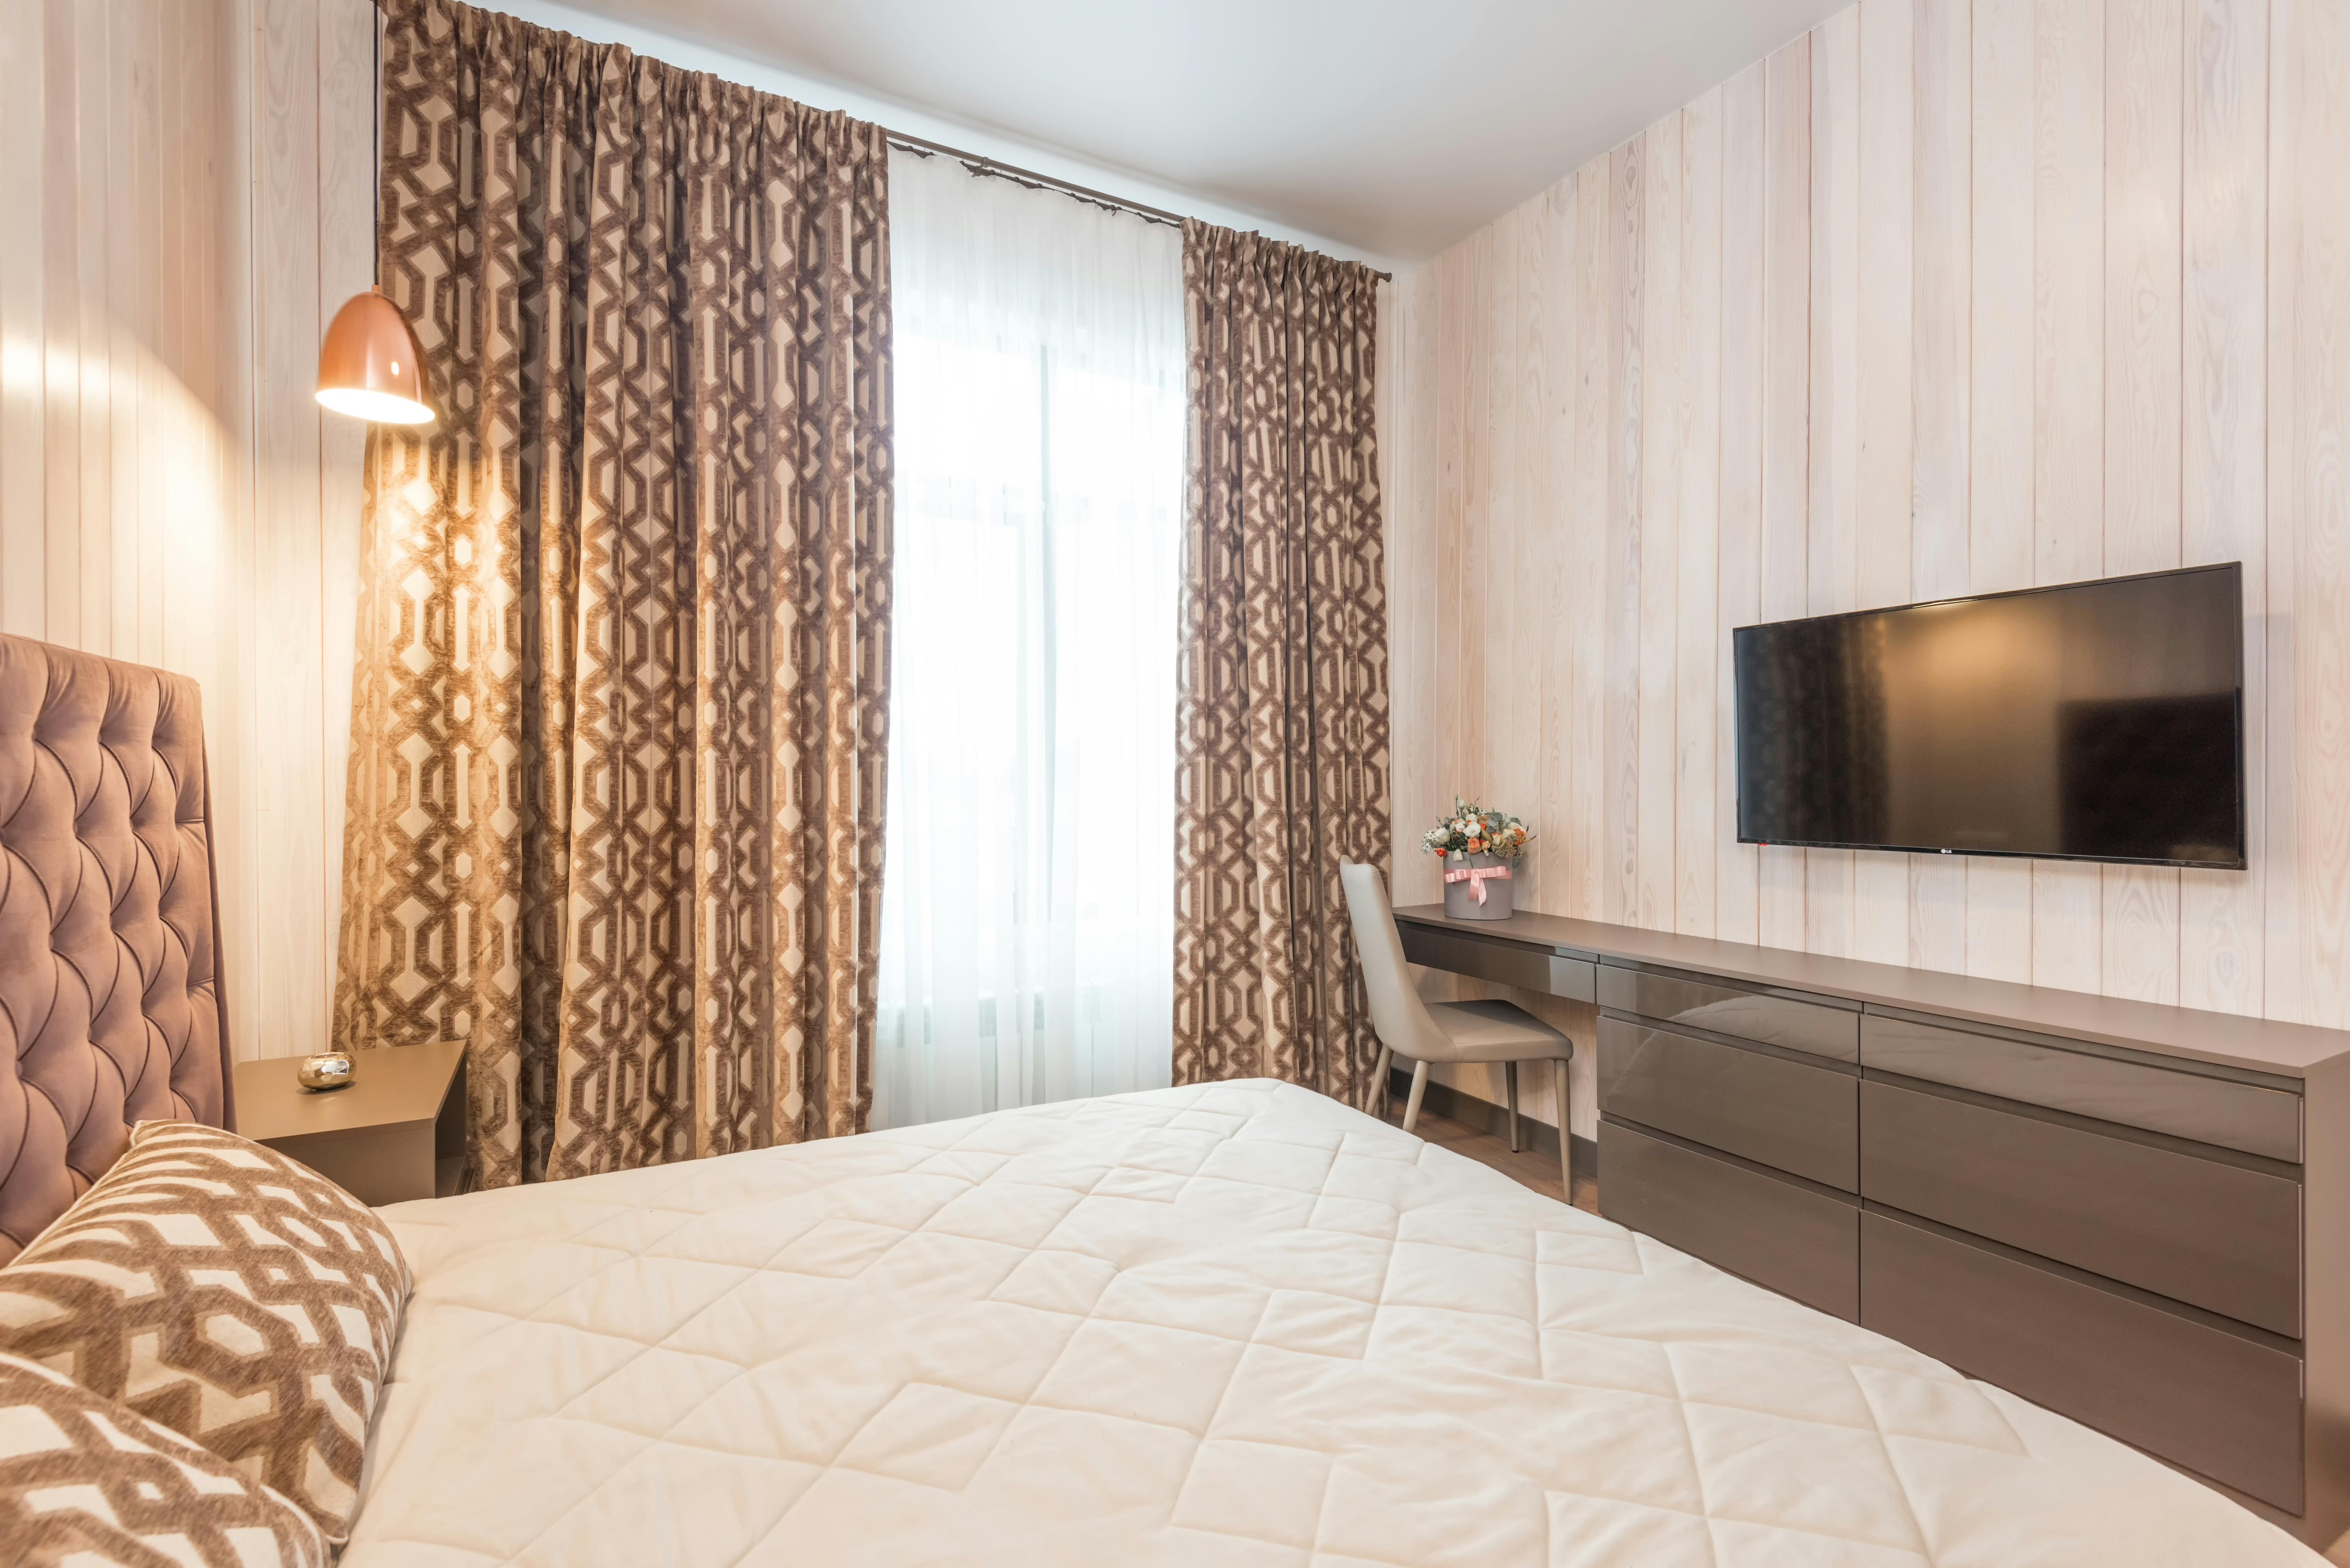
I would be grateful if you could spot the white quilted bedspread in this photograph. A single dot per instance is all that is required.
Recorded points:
(1237, 1324)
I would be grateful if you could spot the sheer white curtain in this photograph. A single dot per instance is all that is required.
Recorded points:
(1027, 909)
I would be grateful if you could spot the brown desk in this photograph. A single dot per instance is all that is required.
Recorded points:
(2132, 1214)
(397, 1133)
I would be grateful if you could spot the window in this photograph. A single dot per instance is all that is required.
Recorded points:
(1027, 907)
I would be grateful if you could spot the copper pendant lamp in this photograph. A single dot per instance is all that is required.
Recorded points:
(371, 366)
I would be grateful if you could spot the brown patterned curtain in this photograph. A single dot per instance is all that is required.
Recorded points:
(1281, 718)
(615, 782)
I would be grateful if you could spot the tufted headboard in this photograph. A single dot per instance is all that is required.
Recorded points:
(111, 1010)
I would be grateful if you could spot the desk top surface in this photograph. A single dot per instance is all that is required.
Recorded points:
(2255, 1044)
(394, 1083)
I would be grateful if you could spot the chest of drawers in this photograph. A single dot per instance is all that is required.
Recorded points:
(2137, 1216)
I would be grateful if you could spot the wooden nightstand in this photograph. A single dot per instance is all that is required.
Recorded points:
(397, 1133)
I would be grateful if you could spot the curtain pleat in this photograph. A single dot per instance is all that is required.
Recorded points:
(621, 697)
(1281, 716)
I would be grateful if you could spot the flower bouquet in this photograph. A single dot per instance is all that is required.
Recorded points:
(1480, 848)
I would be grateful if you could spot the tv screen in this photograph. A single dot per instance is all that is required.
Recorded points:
(2092, 722)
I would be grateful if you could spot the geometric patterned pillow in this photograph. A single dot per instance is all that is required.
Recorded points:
(85, 1481)
(229, 1293)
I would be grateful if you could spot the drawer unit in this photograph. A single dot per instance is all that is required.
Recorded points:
(2216, 1235)
(1709, 1005)
(2181, 1102)
(1797, 1240)
(1761, 1106)
(1503, 963)
(2222, 1404)
(2130, 1213)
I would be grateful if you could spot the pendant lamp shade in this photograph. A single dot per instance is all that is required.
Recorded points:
(369, 367)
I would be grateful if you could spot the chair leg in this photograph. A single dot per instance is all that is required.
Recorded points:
(1565, 1136)
(1419, 1087)
(1510, 1093)
(1380, 1096)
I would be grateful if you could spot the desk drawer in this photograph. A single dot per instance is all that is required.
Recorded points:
(1729, 1009)
(2184, 1104)
(2218, 1236)
(1503, 963)
(1767, 1108)
(2219, 1404)
(1797, 1241)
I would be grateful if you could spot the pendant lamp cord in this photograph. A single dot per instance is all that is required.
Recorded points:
(375, 119)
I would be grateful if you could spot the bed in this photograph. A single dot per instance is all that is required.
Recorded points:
(1234, 1323)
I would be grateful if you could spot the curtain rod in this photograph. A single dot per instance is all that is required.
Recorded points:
(979, 164)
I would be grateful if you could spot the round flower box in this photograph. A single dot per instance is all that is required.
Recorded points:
(1488, 874)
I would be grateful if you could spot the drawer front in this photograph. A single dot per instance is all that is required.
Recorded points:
(1727, 1010)
(2220, 1237)
(2184, 1104)
(1766, 1108)
(1798, 1242)
(2198, 1396)
(1505, 963)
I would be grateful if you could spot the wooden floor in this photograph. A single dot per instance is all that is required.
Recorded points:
(1525, 1168)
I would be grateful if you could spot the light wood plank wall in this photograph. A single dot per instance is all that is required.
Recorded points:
(188, 189)
(1946, 296)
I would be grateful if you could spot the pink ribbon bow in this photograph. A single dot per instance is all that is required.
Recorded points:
(1477, 876)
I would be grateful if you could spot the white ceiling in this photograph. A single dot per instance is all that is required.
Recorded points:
(1395, 125)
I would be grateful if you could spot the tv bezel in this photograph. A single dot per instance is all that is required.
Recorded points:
(2235, 569)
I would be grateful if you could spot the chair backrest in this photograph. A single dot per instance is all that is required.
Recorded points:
(1397, 1011)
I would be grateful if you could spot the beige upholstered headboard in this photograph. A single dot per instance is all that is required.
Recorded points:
(111, 1004)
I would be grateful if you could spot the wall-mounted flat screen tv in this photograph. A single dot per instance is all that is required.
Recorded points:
(2098, 721)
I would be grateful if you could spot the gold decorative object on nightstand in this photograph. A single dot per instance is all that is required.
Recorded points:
(327, 1070)
(396, 1132)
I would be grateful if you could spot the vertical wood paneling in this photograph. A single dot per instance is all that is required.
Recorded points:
(1833, 540)
(1786, 406)
(1663, 392)
(2144, 42)
(130, 305)
(2223, 491)
(1885, 419)
(2000, 502)
(130, 134)
(1942, 382)
(62, 173)
(1413, 618)
(1550, 272)
(2067, 403)
(346, 266)
(1528, 759)
(1627, 257)
(285, 515)
(24, 117)
(1738, 868)
(1594, 304)
(1885, 391)
(1699, 335)
(237, 748)
(163, 308)
(1470, 763)
(2308, 826)
(103, 100)
(1492, 776)
(1452, 437)
(1952, 295)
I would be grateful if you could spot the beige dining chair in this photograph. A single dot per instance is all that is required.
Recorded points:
(1422, 1031)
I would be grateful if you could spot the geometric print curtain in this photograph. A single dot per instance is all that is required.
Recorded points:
(619, 702)
(1281, 710)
